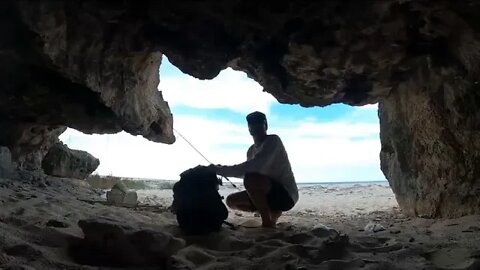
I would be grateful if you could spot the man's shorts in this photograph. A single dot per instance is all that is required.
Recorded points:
(278, 198)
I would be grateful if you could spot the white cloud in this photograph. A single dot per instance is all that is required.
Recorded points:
(314, 130)
(341, 150)
(372, 107)
(317, 151)
(125, 155)
(235, 90)
(333, 151)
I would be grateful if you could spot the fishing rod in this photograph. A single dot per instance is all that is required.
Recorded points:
(194, 148)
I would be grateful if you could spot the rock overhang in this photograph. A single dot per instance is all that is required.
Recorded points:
(310, 53)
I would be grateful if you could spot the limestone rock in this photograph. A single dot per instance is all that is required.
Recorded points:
(64, 162)
(110, 71)
(430, 135)
(126, 245)
(29, 143)
(374, 227)
(57, 72)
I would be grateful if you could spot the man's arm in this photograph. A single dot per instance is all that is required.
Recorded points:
(259, 163)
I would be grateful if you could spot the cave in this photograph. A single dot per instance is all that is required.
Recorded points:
(93, 66)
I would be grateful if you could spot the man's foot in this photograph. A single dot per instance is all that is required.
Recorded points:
(276, 215)
(271, 222)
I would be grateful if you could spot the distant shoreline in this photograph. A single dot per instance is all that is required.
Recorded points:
(343, 183)
(238, 181)
(107, 182)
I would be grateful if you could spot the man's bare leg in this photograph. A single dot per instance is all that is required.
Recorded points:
(257, 187)
(240, 201)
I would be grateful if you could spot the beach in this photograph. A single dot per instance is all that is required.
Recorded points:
(347, 226)
(332, 201)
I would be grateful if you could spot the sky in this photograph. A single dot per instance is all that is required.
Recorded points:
(336, 143)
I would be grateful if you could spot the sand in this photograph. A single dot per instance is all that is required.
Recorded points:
(327, 229)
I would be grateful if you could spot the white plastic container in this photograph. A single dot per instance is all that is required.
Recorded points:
(122, 196)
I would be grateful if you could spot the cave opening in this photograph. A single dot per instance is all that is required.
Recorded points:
(334, 148)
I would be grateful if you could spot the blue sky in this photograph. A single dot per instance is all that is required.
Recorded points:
(324, 144)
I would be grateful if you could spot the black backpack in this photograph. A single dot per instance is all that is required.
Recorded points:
(196, 202)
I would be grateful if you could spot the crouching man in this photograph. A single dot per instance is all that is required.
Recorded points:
(267, 175)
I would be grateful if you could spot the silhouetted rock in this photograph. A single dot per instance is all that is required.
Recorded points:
(113, 243)
(6, 165)
(64, 162)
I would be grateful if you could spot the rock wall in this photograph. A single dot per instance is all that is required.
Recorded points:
(430, 125)
(430, 134)
(82, 71)
(29, 143)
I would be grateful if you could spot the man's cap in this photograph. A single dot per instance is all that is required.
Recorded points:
(256, 117)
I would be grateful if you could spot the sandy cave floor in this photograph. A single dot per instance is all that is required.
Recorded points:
(38, 217)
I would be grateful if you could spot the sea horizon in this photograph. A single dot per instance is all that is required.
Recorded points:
(343, 182)
(240, 181)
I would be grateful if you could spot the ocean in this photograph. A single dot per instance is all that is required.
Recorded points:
(168, 184)
(380, 182)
